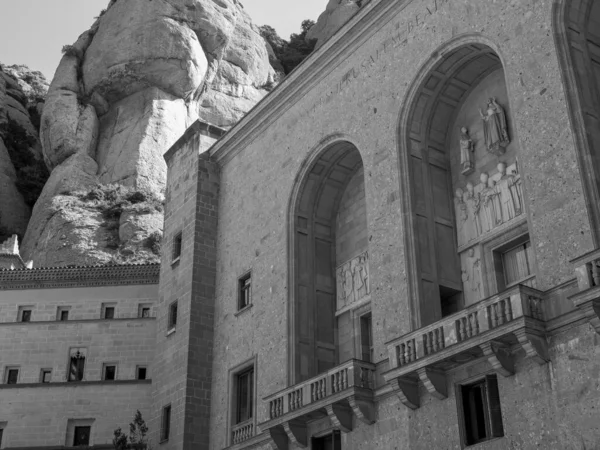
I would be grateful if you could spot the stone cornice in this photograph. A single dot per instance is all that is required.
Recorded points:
(308, 74)
(199, 127)
(80, 276)
(74, 384)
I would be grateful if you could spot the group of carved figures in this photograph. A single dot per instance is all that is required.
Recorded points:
(353, 280)
(491, 203)
(495, 133)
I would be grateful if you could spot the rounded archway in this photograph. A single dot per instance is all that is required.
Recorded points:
(463, 190)
(328, 232)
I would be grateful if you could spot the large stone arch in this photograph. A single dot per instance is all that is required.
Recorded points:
(576, 26)
(318, 244)
(446, 95)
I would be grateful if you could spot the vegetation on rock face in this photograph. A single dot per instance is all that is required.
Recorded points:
(31, 172)
(290, 53)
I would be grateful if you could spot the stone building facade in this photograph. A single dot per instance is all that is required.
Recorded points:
(395, 249)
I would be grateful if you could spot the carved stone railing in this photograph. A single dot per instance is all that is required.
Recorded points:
(338, 393)
(488, 328)
(242, 432)
(587, 270)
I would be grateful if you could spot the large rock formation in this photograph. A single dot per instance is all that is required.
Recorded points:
(336, 14)
(21, 102)
(121, 96)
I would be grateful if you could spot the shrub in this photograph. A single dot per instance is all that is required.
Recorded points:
(153, 242)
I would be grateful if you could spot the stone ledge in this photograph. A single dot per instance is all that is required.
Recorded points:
(199, 127)
(65, 322)
(74, 384)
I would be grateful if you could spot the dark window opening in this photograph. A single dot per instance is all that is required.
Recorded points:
(245, 396)
(81, 436)
(366, 338)
(245, 292)
(482, 416)
(64, 315)
(109, 312)
(76, 367)
(26, 315)
(165, 427)
(110, 372)
(1, 433)
(332, 441)
(145, 312)
(451, 300)
(46, 375)
(141, 373)
(12, 376)
(177, 241)
(172, 315)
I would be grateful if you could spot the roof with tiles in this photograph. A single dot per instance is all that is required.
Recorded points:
(79, 276)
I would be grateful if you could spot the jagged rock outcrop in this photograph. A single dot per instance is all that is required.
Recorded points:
(336, 14)
(121, 96)
(22, 172)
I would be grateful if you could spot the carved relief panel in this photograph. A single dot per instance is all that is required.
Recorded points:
(353, 281)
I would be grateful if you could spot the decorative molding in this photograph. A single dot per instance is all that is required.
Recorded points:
(296, 432)
(500, 357)
(341, 416)
(534, 345)
(435, 382)
(364, 410)
(407, 390)
(79, 276)
(279, 438)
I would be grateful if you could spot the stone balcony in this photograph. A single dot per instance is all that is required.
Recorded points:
(339, 393)
(489, 328)
(587, 269)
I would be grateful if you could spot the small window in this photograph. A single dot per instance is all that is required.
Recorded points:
(24, 314)
(45, 375)
(76, 364)
(63, 313)
(165, 425)
(481, 414)
(109, 372)
(332, 441)
(1, 433)
(141, 372)
(177, 240)
(108, 311)
(244, 396)
(245, 291)
(81, 436)
(366, 337)
(144, 311)
(172, 316)
(12, 375)
(516, 263)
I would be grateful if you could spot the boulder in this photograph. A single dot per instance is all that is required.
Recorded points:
(336, 14)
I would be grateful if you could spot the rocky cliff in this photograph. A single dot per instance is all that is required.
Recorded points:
(121, 96)
(22, 171)
(336, 14)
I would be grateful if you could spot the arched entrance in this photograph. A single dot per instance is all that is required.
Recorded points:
(329, 232)
(463, 190)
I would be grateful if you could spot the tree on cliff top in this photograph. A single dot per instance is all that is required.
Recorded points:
(290, 53)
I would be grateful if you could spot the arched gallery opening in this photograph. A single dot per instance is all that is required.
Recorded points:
(330, 264)
(577, 26)
(466, 231)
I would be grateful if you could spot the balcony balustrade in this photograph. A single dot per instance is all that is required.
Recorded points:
(242, 432)
(339, 393)
(488, 328)
(587, 269)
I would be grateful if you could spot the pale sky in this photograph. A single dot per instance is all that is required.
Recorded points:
(33, 32)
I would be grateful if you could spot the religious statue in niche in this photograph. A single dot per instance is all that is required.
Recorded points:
(495, 129)
(473, 224)
(466, 152)
(353, 280)
(471, 276)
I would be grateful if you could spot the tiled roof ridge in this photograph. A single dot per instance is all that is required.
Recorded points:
(96, 266)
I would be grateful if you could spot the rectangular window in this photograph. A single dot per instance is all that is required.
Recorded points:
(366, 337)
(24, 314)
(177, 241)
(76, 364)
(109, 372)
(332, 441)
(172, 316)
(516, 263)
(62, 313)
(12, 375)
(245, 291)
(108, 310)
(144, 310)
(244, 395)
(1, 433)
(481, 414)
(45, 375)
(81, 436)
(141, 372)
(165, 425)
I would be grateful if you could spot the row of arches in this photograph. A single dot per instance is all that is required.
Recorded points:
(461, 188)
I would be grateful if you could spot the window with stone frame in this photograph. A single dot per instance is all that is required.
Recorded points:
(177, 245)
(81, 436)
(144, 310)
(141, 372)
(62, 313)
(109, 372)
(244, 291)
(172, 316)
(108, 310)
(11, 375)
(513, 262)
(45, 375)
(165, 423)
(244, 396)
(24, 314)
(76, 364)
(366, 338)
(480, 414)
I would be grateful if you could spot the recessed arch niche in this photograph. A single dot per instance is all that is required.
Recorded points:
(577, 33)
(329, 231)
(458, 156)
